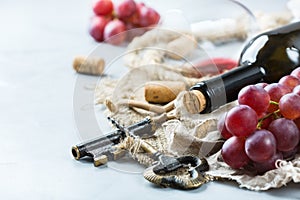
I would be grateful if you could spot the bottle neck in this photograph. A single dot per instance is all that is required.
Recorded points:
(225, 88)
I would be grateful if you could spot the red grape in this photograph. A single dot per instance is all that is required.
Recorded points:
(241, 120)
(296, 72)
(147, 16)
(233, 152)
(97, 26)
(255, 97)
(222, 128)
(289, 106)
(288, 155)
(263, 85)
(126, 15)
(135, 18)
(286, 133)
(275, 136)
(260, 146)
(125, 9)
(133, 21)
(289, 81)
(103, 7)
(276, 91)
(268, 164)
(115, 28)
(296, 90)
(297, 122)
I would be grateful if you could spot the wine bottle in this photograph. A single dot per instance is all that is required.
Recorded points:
(265, 58)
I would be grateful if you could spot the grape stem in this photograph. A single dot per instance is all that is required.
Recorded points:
(274, 103)
(275, 113)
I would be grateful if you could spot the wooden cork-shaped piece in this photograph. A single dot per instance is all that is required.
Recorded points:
(194, 101)
(113, 107)
(91, 66)
(163, 91)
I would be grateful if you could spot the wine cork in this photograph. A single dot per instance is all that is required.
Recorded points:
(162, 91)
(91, 66)
(194, 101)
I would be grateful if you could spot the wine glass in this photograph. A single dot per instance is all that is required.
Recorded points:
(214, 24)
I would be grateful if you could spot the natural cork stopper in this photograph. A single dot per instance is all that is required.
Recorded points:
(163, 91)
(194, 101)
(91, 66)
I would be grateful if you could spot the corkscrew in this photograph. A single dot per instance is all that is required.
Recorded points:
(184, 172)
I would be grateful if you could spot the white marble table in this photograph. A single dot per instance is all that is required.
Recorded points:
(38, 41)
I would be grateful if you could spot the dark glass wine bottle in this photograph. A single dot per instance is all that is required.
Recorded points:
(265, 58)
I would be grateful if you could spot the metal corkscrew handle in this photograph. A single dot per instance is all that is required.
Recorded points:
(189, 176)
(185, 172)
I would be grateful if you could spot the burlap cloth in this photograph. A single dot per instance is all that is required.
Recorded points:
(187, 134)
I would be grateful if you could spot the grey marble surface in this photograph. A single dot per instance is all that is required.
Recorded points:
(38, 41)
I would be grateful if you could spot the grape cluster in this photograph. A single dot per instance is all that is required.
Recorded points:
(264, 126)
(115, 18)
